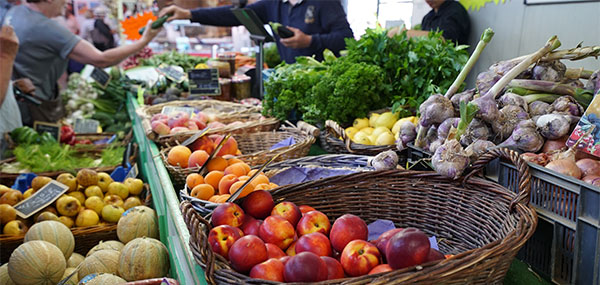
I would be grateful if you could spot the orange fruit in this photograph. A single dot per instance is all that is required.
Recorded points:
(238, 169)
(198, 158)
(243, 178)
(232, 161)
(251, 172)
(226, 182)
(261, 179)
(213, 178)
(247, 190)
(222, 198)
(273, 185)
(203, 191)
(213, 198)
(179, 155)
(193, 180)
(217, 163)
(263, 186)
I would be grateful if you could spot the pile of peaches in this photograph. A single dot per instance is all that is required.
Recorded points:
(287, 243)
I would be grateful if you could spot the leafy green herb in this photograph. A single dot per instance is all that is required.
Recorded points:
(186, 61)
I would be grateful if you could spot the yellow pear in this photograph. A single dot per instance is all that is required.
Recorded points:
(119, 189)
(134, 185)
(67, 221)
(68, 206)
(104, 180)
(28, 193)
(87, 218)
(78, 195)
(95, 203)
(94, 190)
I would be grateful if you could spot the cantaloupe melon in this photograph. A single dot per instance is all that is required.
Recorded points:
(36, 262)
(73, 280)
(101, 279)
(137, 222)
(111, 244)
(143, 258)
(55, 233)
(4, 278)
(75, 259)
(104, 261)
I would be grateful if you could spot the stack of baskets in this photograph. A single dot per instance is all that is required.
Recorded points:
(482, 224)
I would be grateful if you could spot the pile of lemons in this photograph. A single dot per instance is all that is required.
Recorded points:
(378, 129)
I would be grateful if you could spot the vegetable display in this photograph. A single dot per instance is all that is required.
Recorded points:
(376, 73)
(186, 61)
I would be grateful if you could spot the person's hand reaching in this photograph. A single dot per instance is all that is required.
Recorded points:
(299, 40)
(178, 13)
(9, 43)
(150, 33)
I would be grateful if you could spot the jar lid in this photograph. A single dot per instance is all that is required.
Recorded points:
(240, 78)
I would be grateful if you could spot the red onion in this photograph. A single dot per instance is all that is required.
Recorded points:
(588, 166)
(566, 167)
(539, 159)
(557, 144)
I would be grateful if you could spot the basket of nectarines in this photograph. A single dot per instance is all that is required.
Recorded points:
(434, 230)
(175, 127)
(253, 149)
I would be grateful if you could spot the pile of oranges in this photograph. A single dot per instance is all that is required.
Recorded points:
(224, 177)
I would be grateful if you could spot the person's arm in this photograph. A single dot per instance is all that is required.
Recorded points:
(335, 29)
(84, 52)
(217, 16)
(9, 46)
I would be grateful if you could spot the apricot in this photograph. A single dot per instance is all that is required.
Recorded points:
(203, 191)
(193, 180)
(273, 185)
(262, 186)
(226, 182)
(247, 190)
(198, 158)
(217, 163)
(179, 155)
(222, 198)
(238, 169)
(251, 172)
(233, 161)
(261, 179)
(213, 178)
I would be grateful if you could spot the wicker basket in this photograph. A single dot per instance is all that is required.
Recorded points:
(225, 112)
(333, 161)
(331, 143)
(255, 149)
(85, 237)
(481, 223)
(6, 178)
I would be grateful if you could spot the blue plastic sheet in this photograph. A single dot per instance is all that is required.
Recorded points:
(286, 142)
(296, 174)
(23, 182)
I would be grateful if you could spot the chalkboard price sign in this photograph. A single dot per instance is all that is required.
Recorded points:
(204, 82)
(53, 129)
(101, 76)
(86, 126)
(40, 199)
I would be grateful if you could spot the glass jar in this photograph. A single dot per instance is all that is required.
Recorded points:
(241, 86)
(228, 57)
(225, 84)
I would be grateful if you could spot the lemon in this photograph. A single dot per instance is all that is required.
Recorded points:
(396, 127)
(351, 131)
(360, 123)
(387, 119)
(373, 119)
(367, 130)
(380, 130)
(361, 138)
(201, 66)
(385, 139)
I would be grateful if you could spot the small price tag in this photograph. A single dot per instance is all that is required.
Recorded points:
(168, 110)
(86, 126)
(40, 199)
(53, 129)
(100, 76)
(204, 82)
(588, 130)
(172, 73)
(133, 172)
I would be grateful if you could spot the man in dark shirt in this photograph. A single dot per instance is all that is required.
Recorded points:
(450, 17)
(317, 25)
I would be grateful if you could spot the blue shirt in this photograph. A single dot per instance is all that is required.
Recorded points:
(324, 20)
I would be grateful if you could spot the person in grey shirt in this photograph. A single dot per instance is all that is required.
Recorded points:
(45, 49)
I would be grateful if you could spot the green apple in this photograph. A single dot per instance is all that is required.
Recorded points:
(119, 189)
(94, 190)
(134, 185)
(112, 213)
(95, 203)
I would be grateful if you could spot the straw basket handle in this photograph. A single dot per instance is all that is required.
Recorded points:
(522, 167)
(338, 131)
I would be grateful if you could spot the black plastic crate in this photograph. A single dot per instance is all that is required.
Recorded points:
(568, 252)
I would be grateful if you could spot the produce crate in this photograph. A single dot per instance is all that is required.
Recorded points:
(567, 247)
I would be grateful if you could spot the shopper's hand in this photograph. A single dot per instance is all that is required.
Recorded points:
(299, 40)
(178, 13)
(25, 85)
(150, 33)
(9, 43)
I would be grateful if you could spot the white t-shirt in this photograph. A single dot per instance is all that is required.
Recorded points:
(10, 116)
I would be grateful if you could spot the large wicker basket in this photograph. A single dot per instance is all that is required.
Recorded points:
(85, 237)
(483, 225)
(255, 150)
(331, 142)
(331, 161)
(6, 178)
(224, 112)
